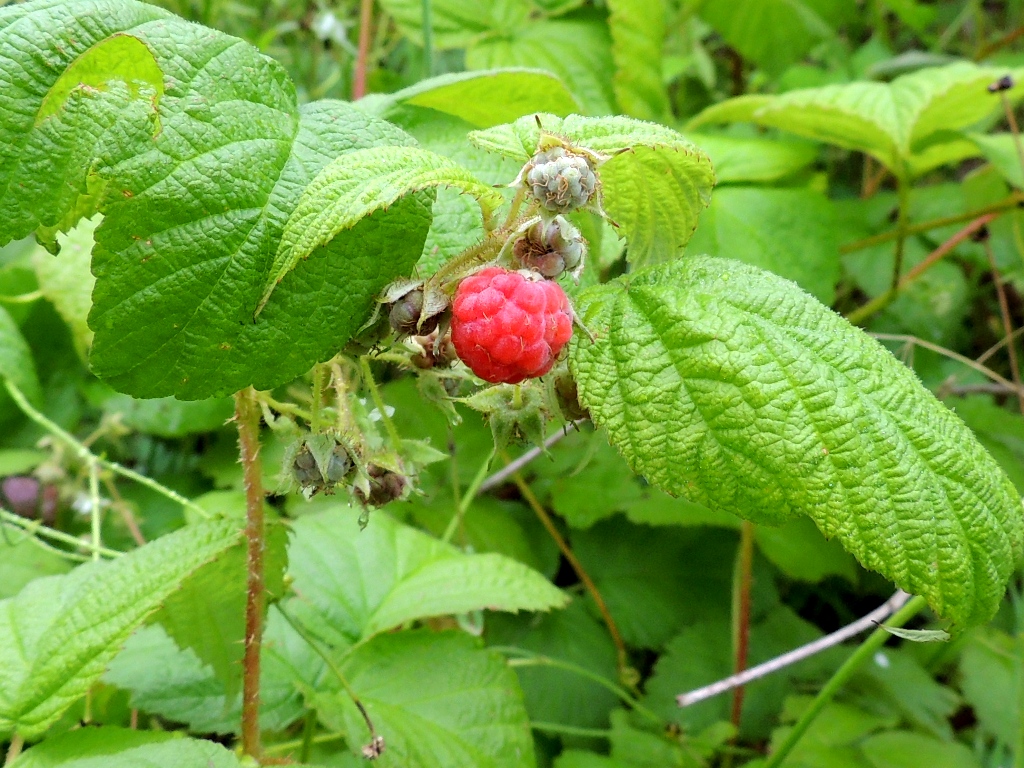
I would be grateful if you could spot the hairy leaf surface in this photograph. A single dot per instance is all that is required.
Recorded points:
(900, 123)
(365, 582)
(110, 747)
(59, 633)
(733, 388)
(654, 185)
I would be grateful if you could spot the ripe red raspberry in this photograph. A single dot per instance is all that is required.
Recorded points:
(507, 328)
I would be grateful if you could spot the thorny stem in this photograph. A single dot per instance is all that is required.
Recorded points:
(581, 572)
(813, 648)
(866, 649)
(359, 76)
(1013, 201)
(881, 302)
(1004, 313)
(902, 222)
(315, 422)
(247, 417)
(86, 456)
(741, 603)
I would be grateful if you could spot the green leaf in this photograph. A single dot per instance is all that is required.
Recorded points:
(110, 747)
(483, 98)
(366, 582)
(903, 749)
(174, 684)
(67, 282)
(654, 186)
(791, 232)
(585, 65)
(59, 633)
(23, 559)
(16, 363)
(455, 23)
(554, 694)
(195, 188)
(890, 121)
(207, 612)
(735, 389)
(990, 670)
(800, 551)
(1000, 149)
(66, 92)
(465, 708)
(638, 34)
(918, 635)
(770, 33)
(754, 159)
(359, 183)
(169, 417)
(832, 738)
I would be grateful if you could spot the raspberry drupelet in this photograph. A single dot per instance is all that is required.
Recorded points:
(507, 328)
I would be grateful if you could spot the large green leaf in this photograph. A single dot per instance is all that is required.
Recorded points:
(638, 35)
(59, 633)
(196, 176)
(654, 186)
(360, 583)
(438, 699)
(902, 123)
(578, 51)
(770, 33)
(733, 388)
(482, 99)
(356, 185)
(110, 747)
(791, 232)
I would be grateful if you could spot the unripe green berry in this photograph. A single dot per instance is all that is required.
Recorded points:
(551, 248)
(560, 180)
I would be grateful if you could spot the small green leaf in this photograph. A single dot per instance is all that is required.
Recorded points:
(359, 183)
(754, 159)
(735, 389)
(464, 709)
(577, 51)
(918, 635)
(59, 633)
(366, 582)
(791, 232)
(110, 747)
(893, 122)
(654, 185)
(482, 98)
(990, 672)
(638, 35)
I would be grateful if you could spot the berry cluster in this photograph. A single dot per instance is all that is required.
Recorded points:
(508, 328)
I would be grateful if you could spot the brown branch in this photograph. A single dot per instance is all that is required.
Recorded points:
(1004, 313)
(1001, 42)
(744, 566)
(247, 418)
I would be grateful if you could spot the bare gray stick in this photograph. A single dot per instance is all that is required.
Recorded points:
(881, 613)
(515, 465)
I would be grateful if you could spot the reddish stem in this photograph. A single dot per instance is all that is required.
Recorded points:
(247, 418)
(744, 580)
(365, 22)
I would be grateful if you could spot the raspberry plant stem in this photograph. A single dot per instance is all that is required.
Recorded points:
(577, 566)
(371, 384)
(1004, 313)
(315, 422)
(741, 607)
(247, 418)
(36, 527)
(363, 52)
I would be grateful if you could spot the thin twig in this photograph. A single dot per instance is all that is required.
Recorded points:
(973, 364)
(581, 572)
(741, 601)
(17, 742)
(124, 509)
(1004, 313)
(33, 527)
(862, 313)
(987, 50)
(85, 455)
(998, 345)
(517, 464)
(863, 624)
